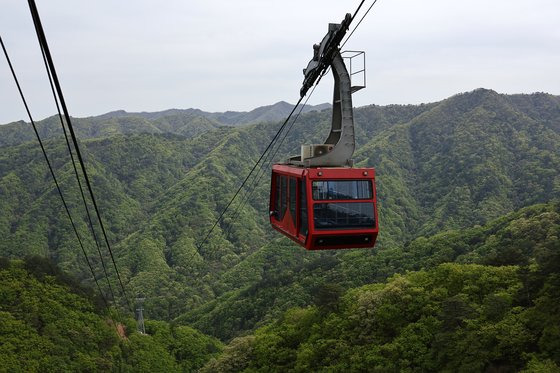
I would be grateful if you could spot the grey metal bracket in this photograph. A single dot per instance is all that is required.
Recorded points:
(339, 146)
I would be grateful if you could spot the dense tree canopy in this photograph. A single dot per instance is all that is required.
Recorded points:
(455, 317)
(51, 323)
(454, 178)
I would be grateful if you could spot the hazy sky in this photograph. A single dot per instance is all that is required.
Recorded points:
(237, 55)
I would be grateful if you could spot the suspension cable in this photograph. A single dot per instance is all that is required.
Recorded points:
(268, 162)
(358, 9)
(43, 42)
(249, 175)
(91, 226)
(52, 172)
(361, 19)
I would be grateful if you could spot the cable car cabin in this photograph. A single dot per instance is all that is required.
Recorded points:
(324, 208)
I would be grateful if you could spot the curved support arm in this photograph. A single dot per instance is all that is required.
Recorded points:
(340, 144)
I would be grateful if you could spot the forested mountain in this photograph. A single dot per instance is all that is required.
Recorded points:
(501, 316)
(468, 159)
(162, 180)
(51, 323)
(186, 123)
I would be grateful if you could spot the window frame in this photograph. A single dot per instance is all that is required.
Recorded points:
(283, 197)
(303, 214)
(292, 198)
(371, 216)
(316, 197)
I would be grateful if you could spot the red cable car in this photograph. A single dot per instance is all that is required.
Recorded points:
(325, 208)
(317, 198)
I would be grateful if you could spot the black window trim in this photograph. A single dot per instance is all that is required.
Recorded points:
(371, 190)
(345, 227)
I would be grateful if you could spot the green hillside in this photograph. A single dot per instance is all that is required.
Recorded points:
(469, 159)
(51, 323)
(495, 309)
(186, 123)
(447, 165)
(502, 316)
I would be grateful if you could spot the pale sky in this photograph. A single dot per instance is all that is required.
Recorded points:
(237, 55)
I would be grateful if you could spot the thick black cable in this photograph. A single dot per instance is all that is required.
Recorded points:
(90, 221)
(289, 129)
(354, 16)
(52, 172)
(268, 163)
(358, 9)
(249, 175)
(361, 19)
(44, 44)
(293, 122)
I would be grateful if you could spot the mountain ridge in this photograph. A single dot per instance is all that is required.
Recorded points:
(447, 165)
(182, 122)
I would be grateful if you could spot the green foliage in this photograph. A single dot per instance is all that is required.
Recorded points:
(292, 278)
(444, 317)
(327, 296)
(162, 179)
(236, 357)
(467, 160)
(46, 327)
(49, 322)
(455, 317)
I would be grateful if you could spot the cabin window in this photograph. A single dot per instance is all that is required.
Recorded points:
(303, 208)
(342, 189)
(343, 215)
(283, 196)
(293, 198)
(277, 193)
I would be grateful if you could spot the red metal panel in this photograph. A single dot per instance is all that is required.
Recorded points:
(287, 225)
(337, 173)
(289, 170)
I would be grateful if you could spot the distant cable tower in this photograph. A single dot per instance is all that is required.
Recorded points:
(140, 320)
